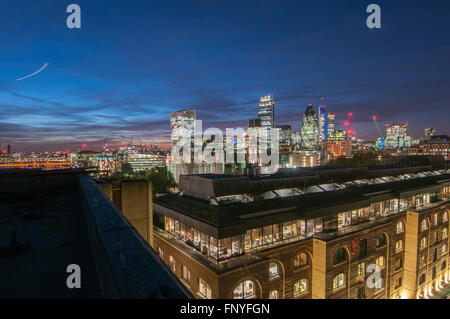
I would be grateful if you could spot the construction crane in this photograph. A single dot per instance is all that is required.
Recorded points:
(347, 124)
(375, 120)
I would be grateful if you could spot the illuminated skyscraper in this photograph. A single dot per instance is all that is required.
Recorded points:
(310, 130)
(181, 121)
(323, 123)
(266, 111)
(331, 118)
(326, 123)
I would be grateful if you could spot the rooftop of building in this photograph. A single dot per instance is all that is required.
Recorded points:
(214, 186)
(311, 199)
(52, 219)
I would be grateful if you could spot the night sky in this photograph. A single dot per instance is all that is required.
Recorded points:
(134, 62)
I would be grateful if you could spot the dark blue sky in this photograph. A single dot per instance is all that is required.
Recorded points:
(135, 62)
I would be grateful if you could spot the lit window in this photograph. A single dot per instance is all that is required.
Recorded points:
(186, 274)
(423, 243)
(244, 290)
(301, 259)
(161, 253)
(444, 249)
(436, 219)
(361, 272)
(424, 225)
(204, 289)
(400, 228)
(338, 281)
(399, 245)
(380, 261)
(300, 287)
(273, 294)
(444, 233)
(273, 270)
(445, 217)
(422, 260)
(172, 263)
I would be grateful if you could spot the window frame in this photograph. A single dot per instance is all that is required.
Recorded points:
(299, 284)
(339, 281)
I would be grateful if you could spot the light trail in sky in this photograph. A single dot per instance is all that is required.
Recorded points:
(33, 74)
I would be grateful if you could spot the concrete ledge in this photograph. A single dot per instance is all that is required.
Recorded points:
(127, 266)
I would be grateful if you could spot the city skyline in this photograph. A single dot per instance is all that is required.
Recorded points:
(218, 60)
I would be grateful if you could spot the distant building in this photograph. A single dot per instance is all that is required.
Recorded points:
(429, 132)
(145, 162)
(285, 139)
(338, 135)
(310, 130)
(266, 112)
(296, 138)
(253, 123)
(339, 148)
(304, 159)
(326, 123)
(331, 120)
(396, 136)
(181, 121)
(435, 146)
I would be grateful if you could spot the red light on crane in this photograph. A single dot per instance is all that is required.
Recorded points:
(350, 114)
(374, 117)
(346, 123)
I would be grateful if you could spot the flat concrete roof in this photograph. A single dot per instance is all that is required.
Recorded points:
(51, 227)
(52, 219)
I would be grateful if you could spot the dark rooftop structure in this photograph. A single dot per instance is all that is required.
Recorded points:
(52, 219)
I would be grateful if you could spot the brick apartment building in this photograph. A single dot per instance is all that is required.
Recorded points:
(316, 233)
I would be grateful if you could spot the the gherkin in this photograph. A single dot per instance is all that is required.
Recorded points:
(310, 130)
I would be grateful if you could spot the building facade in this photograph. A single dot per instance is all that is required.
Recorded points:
(326, 123)
(266, 112)
(339, 148)
(301, 237)
(396, 136)
(140, 162)
(439, 147)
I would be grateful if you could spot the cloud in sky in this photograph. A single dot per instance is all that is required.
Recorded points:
(134, 62)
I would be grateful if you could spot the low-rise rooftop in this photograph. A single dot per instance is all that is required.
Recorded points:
(52, 219)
